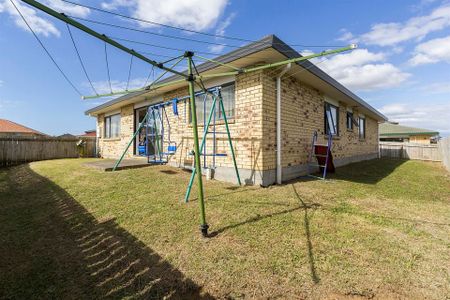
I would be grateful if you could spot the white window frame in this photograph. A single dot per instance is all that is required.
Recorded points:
(327, 116)
(362, 120)
(107, 130)
(218, 109)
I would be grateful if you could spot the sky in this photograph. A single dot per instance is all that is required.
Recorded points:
(401, 66)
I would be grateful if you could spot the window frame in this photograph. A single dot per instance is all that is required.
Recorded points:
(325, 123)
(363, 120)
(218, 109)
(349, 119)
(220, 113)
(107, 130)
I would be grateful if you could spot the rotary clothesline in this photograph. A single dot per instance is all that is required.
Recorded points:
(188, 76)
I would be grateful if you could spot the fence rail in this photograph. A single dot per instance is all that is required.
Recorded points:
(410, 151)
(19, 149)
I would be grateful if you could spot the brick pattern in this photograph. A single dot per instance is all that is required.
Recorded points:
(114, 147)
(302, 114)
(245, 128)
(253, 128)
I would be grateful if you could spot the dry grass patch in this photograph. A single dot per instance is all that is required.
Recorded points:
(377, 229)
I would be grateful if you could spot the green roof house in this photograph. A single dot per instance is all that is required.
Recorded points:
(394, 132)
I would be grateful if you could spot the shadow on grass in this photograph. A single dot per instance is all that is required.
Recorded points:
(367, 172)
(303, 206)
(52, 247)
(306, 207)
(233, 190)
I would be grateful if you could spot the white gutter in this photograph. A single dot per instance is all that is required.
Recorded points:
(279, 167)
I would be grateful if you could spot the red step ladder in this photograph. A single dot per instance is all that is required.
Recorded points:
(320, 156)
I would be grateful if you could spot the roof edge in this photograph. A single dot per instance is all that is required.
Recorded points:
(410, 133)
(266, 42)
(288, 51)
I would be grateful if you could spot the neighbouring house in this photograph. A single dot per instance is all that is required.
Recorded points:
(394, 132)
(10, 128)
(89, 133)
(307, 93)
(66, 136)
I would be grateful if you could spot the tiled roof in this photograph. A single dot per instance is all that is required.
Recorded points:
(89, 133)
(7, 126)
(393, 129)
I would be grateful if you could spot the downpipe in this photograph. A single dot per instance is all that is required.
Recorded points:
(279, 167)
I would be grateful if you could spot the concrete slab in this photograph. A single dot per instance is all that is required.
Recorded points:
(108, 164)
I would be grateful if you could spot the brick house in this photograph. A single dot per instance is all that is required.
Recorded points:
(251, 106)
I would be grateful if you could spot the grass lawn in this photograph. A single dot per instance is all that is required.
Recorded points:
(378, 229)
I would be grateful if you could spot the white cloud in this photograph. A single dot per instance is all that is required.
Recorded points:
(115, 4)
(346, 36)
(221, 31)
(38, 24)
(1, 83)
(416, 28)
(422, 4)
(70, 9)
(436, 88)
(432, 51)
(428, 116)
(194, 14)
(102, 87)
(363, 70)
(356, 57)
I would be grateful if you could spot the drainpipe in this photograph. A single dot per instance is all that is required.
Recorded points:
(279, 168)
(97, 136)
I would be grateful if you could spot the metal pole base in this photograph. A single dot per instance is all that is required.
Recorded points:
(204, 229)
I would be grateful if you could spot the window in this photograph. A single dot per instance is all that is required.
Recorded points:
(362, 128)
(349, 120)
(331, 117)
(228, 101)
(204, 107)
(112, 126)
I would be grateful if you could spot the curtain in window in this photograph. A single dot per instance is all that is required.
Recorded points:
(112, 126)
(228, 101)
(115, 125)
(107, 127)
(204, 108)
(362, 128)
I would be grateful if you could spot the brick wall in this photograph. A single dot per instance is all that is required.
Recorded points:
(245, 128)
(302, 114)
(114, 147)
(253, 129)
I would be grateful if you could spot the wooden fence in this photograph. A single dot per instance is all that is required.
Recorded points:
(19, 149)
(410, 151)
(444, 147)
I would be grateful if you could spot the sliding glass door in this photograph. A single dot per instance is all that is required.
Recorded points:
(148, 140)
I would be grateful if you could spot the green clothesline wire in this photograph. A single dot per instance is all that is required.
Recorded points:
(218, 62)
(188, 77)
(236, 72)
